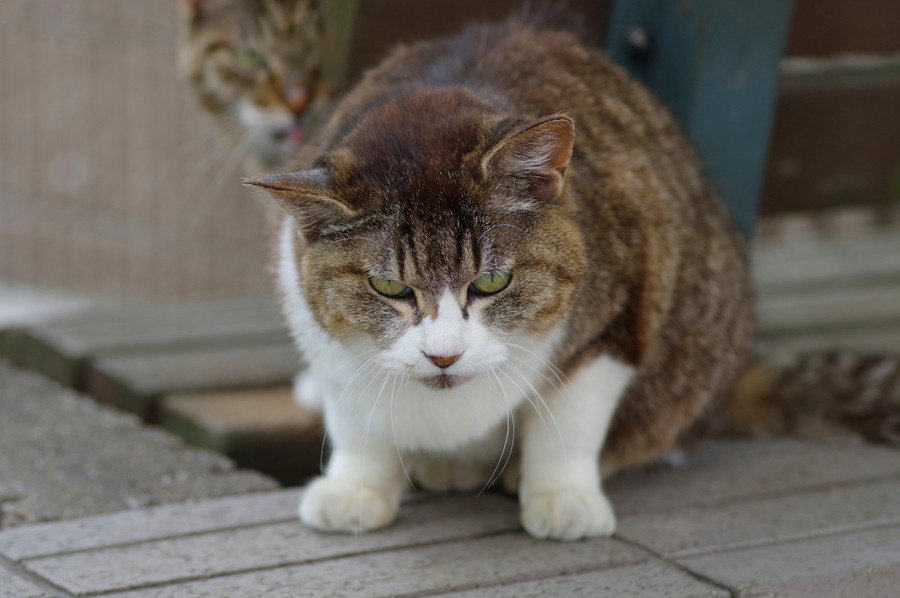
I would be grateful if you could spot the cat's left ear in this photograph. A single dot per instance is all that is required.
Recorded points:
(306, 195)
(534, 156)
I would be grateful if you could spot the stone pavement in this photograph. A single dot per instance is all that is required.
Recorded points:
(63, 456)
(741, 518)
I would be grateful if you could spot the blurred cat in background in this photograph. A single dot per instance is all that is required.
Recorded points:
(256, 66)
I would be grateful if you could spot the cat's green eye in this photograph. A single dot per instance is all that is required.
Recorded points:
(490, 283)
(390, 288)
(247, 59)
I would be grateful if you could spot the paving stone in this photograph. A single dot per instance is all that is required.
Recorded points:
(700, 530)
(725, 470)
(423, 569)
(152, 523)
(67, 457)
(858, 564)
(62, 348)
(281, 544)
(646, 580)
(13, 586)
(261, 429)
(136, 383)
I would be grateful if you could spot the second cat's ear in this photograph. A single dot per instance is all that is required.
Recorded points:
(306, 196)
(534, 157)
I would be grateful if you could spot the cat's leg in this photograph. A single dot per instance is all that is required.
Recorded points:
(362, 485)
(306, 392)
(560, 491)
(436, 473)
(470, 467)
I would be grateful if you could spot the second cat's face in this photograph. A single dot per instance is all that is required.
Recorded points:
(255, 65)
(438, 236)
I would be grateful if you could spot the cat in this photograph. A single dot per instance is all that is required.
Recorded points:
(501, 259)
(256, 65)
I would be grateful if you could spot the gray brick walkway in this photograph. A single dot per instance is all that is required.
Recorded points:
(782, 518)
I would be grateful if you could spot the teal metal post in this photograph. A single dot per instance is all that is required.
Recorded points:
(714, 63)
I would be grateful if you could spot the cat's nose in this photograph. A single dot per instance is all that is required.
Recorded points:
(296, 99)
(443, 361)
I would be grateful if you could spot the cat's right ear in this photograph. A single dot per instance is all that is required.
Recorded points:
(306, 196)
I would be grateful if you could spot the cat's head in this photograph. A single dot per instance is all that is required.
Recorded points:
(256, 65)
(441, 234)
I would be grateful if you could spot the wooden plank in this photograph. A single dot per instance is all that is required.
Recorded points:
(870, 259)
(152, 523)
(836, 309)
(710, 476)
(261, 429)
(137, 382)
(339, 20)
(883, 337)
(441, 519)
(714, 63)
(420, 570)
(646, 580)
(864, 563)
(823, 27)
(835, 141)
(701, 530)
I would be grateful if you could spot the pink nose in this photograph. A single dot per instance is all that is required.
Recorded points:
(443, 361)
(296, 99)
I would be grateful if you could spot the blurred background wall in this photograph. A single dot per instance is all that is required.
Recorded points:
(112, 182)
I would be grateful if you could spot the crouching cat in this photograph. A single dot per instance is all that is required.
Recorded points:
(501, 254)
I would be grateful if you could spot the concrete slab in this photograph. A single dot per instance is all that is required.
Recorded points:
(152, 523)
(727, 470)
(864, 563)
(267, 546)
(700, 530)
(60, 349)
(136, 383)
(646, 580)
(68, 457)
(13, 586)
(463, 565)
(261, 429)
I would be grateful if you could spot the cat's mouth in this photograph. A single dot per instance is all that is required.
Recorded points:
(445, 381)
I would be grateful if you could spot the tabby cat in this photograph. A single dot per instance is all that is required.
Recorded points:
(256, 66)
(500, 256)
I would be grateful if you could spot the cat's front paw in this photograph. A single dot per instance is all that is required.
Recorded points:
(337, 506)
(569, 514)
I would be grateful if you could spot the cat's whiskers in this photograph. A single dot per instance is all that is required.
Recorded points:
(555, 370)
(394, 429)
(532, 368)
(542, 402)
(365, 390)
(356, 374)
(510, 419)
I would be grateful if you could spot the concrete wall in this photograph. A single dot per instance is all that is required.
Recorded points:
(111, 180)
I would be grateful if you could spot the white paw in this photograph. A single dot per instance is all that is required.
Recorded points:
(306, 392)
(441, 475)
(337, 506)
(570, 514)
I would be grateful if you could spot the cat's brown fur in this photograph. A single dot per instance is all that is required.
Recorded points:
(256, 66)
(637, 258)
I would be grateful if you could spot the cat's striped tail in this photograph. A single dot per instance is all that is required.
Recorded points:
(820, 394)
